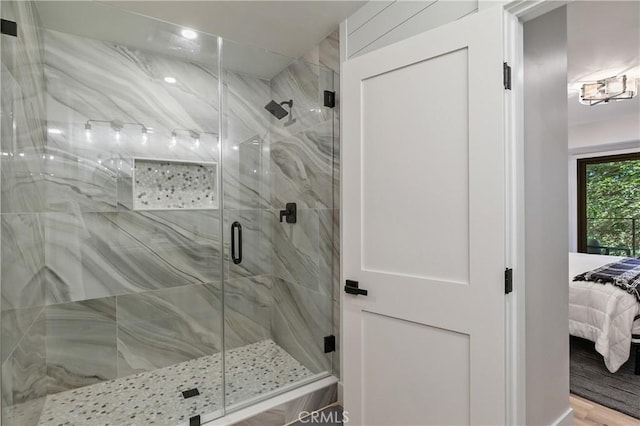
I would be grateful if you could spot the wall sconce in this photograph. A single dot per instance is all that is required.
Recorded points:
(612, 88)
(116, 126)
(145, 135)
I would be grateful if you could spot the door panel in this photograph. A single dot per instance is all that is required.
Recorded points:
(424, 228)
(431, 393)
(408, 134)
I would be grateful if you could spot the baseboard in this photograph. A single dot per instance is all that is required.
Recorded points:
(566, 419)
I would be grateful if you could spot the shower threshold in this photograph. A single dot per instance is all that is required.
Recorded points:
(155, 397)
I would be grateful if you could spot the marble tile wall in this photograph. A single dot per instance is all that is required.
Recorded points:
(150, 278)
(165, 327)
(81, 343)
(92, 290)
(22, 268)
(24, 377)
(127, 291)
(304, 168)
(91, 255)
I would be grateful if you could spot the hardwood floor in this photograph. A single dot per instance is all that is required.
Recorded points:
(588, 413)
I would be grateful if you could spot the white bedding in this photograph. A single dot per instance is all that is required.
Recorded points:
(601, 313)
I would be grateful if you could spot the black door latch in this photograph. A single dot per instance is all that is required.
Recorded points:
(351, 287)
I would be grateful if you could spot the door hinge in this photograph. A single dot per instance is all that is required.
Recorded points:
(8, 27)
(329, 344)
(506, 76)
(508, 280)
(329, 99)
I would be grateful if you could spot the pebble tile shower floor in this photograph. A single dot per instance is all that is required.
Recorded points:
(155, 397)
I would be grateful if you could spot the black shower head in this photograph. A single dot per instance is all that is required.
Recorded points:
(276, 108)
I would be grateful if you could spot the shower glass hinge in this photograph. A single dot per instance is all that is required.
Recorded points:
(329, 344)
(8, 27)
(506, 76)
(508, 280)
(329, 99)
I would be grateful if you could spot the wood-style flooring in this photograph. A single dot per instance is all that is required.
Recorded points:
(588, 413)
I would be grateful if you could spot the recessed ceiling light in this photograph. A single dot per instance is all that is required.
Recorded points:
(54, 131)
(171, 80)
(189, 34)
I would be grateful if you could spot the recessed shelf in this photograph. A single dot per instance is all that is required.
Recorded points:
(174, 185)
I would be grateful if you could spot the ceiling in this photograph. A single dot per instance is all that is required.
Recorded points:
(603, 40)
(290, 28)
(258, 29)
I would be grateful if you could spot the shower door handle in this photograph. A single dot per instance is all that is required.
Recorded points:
(236, 226)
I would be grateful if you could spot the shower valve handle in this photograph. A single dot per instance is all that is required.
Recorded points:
(290, 212)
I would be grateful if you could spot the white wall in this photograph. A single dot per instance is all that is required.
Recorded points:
(380, 23)
(625, 128)
(546, 212)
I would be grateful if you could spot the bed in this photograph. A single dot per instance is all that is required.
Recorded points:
(603, 313)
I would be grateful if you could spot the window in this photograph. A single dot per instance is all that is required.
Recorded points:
(609, 205)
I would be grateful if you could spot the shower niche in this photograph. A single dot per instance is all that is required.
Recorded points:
(174, 185)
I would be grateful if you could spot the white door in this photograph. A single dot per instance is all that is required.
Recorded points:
(424, 228)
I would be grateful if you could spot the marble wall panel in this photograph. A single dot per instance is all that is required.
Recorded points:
(301, 318)
(244, 170)
(248, 304)
(81, 343)
(133, 93)
(15, 324)
(23, 121)
(92, 255)
(22, 271)
(164, 327)
(24, 383)
(22, 141)
(304, 168)
(22, 260)
(295, 248)
(301, 167)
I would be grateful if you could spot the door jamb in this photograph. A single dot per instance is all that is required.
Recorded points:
(517, 12)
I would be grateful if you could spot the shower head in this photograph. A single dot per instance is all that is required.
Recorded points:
(276, 108)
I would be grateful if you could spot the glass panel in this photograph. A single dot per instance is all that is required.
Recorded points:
(111, 218)
(612, 207)
(278, 148)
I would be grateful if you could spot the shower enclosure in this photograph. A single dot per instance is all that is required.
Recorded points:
(169, 243)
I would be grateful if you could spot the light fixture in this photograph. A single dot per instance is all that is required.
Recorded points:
(174, 139)
(605, 90)
(87, 130)
(117, 127)
(54, 131)
(145, 136)
(189, 34)
(170, 80)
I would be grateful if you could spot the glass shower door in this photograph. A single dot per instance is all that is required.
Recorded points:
(278, 178)
(111, 219)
